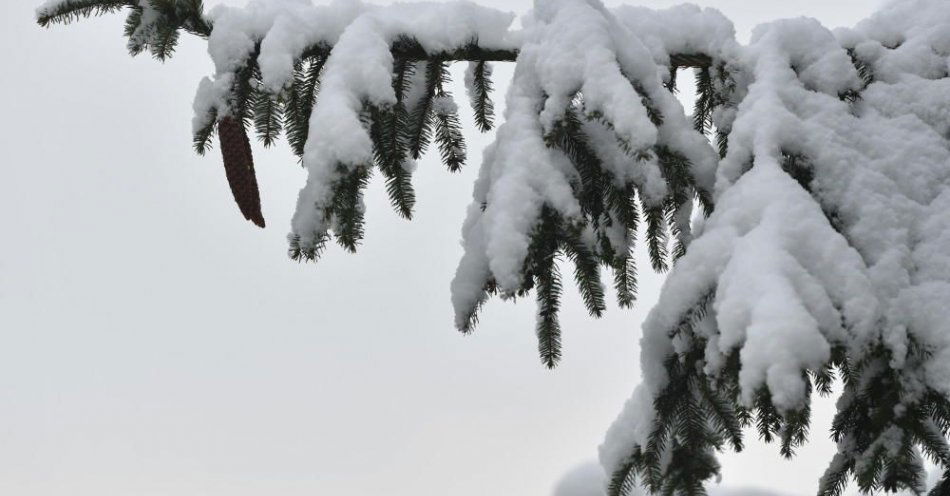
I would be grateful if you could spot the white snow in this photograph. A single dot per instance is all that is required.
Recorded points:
(681, 29)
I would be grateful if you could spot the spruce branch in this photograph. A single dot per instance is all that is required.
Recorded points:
(705, 101)
(470, 322)
(721, 410)
(268, 119)
(391, 156)
(625, 280)
(164, 41)
(586, 270)
(387, 129)
(345, 213)
(301, 98)
(73, 10)
(448, 134)
(568, 136)
(448, 127)
(722, 143)
(836, 476)
(421, 117)
(670, 83)
(623, 481)
(547, 282)
(482, 105)
(657, 237)
(623, 207)
(204, 135)
(306, 253)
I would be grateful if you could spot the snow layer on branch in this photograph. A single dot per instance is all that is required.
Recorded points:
(285, 29)
(571, 49)
(909, 37)
(682, 29)
(519, 176)
(49, 6)
(832, 220)
(337, 135)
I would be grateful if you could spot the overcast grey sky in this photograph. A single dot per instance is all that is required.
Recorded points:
(153, 343)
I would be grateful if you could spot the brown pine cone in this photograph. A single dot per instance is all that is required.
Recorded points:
(239, 168)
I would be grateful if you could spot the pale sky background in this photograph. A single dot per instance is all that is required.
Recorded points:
(153, 343)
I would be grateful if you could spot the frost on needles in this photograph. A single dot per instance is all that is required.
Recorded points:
(819, 162)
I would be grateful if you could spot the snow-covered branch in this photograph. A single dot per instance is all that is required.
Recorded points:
(824, 254)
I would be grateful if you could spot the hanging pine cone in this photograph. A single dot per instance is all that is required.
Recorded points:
(239, 168)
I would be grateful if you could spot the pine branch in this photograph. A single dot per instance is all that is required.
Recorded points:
(836, 476)
(683, 60)
(133, 25)
(448, 133)
(722, 143)
(586, 271)
(387, 129)
(299, 253)
(420, 130)
(164, 41)
(547, 279)
(625, 280)
(905, 470)
(795, 425)
(768, 421)
(722, 412)
(653, 112)
(568, 136)
(241, 98)
(865, 71)
(301, 99)
(268, 121)
(868, 473)
(798, 166)
(657, 238)
(823, 379)
(390, 155)
(705, 101)
(471, 320)
(932, 439)
(204, 135)
(670, 83)
(346, 210)
(448, 127)
(482, 87)
(409, 48)
(671, 212)
(70, 11)
(623, 207)
(156, 25)
(623, 481)
(690, 419)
